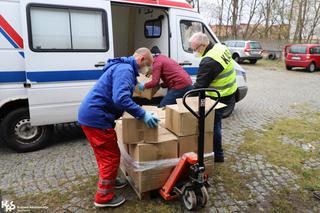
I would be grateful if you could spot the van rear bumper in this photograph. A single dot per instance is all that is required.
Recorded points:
(241, 93)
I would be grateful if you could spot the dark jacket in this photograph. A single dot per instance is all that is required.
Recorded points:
(111, 95)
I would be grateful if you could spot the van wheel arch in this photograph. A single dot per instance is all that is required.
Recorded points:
(16, 131)
(236, 57)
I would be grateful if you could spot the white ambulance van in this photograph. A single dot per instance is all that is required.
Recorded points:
(53, 51)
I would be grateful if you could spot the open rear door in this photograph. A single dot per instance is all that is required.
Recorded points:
(68, 41)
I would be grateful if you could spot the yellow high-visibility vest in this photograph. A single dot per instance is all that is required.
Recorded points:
(225, 82)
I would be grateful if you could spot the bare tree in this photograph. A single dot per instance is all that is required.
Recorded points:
(235, 7)
(316, 19)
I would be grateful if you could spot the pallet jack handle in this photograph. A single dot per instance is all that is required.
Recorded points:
(201, 116)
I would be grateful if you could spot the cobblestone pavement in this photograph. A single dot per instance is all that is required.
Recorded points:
(271, 95)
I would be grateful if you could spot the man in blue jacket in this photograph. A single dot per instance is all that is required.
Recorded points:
(106, 102)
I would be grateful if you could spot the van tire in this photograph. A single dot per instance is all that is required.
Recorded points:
(227, 111)
(312, 67)
(236, 57)
(253, 61)
(19, 135)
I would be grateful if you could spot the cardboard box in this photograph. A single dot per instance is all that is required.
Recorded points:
(135, 131)
(118, 129)
(146, 93)
(159, 111)
(155, 178)
(165, 148)
(182, 122)
(190, 143)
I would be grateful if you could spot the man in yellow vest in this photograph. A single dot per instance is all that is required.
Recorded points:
(216, 70)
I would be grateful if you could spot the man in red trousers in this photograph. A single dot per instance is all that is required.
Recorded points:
(106, 102)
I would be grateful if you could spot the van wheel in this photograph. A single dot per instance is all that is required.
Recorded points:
(312, 67)
(236, 57)
(253, 61)
(19, 135)
(288, 67)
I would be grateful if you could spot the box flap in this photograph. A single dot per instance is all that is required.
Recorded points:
(193, 103)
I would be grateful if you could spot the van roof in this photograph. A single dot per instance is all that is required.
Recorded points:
(160, 3)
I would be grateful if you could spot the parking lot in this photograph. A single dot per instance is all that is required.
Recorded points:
(257, 175)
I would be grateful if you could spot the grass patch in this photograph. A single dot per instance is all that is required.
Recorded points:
(284, 201)
(304, 129)
(271, 63)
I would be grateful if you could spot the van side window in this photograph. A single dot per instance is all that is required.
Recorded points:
(188, 28)
(152, 28)
(66, 29)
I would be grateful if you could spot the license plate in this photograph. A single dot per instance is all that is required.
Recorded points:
(254, 52)
(295, 58)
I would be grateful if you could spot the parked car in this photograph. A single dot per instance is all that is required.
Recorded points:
(302, 55)
(245, 50)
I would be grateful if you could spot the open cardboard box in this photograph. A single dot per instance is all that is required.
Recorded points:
(146, 93)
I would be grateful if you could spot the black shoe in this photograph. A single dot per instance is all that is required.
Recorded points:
(120, 183)
(218, 159)
(116, 201)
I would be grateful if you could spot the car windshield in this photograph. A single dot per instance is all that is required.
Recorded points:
(255, 45)
(298, 49)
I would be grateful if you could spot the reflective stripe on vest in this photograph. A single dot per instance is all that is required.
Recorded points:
(225, 82)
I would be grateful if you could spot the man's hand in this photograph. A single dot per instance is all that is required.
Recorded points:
(151, 120)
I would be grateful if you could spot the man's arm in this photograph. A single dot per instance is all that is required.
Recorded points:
(156, 73)
(121, 92)
(209, 69)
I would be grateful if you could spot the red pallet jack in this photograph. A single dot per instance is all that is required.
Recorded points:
(188, 178)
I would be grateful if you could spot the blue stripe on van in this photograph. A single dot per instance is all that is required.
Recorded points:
(191, 70)
(12, 76)
(66, 75)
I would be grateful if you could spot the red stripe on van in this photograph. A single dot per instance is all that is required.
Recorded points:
(11, 32)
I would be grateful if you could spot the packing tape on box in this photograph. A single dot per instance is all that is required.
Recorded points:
(137, 166)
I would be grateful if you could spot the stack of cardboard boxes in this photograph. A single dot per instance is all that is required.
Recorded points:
(149, 155)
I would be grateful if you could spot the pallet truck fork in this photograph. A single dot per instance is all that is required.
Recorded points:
(188, 178)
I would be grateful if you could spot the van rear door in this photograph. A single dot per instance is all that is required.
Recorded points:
(66, 44)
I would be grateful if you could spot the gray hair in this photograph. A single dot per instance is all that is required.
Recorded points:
(144, 52)
(199, 38)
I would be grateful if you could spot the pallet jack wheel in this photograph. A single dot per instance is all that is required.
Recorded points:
(189, 199)
(203, 196)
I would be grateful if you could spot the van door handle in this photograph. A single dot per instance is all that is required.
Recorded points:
(100, 64)
(185, 63)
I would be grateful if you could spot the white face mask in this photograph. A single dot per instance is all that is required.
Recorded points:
(145, 70)
(196, 54)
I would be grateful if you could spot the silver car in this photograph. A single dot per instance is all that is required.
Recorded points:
(245, 50)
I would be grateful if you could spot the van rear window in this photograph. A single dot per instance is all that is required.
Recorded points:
(298, 49)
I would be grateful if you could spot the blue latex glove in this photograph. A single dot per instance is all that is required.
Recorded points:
(141, 86)
(150, 120)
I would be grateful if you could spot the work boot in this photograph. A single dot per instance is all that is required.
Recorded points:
(219, 159)
(120, 183)
(117, 200)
